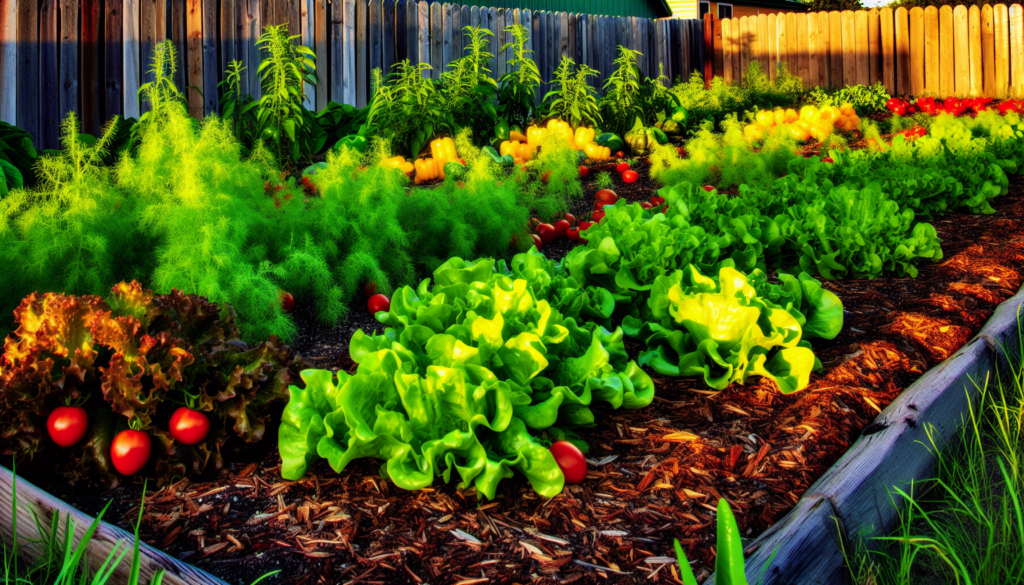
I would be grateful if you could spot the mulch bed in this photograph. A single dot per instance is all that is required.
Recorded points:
(655, 474)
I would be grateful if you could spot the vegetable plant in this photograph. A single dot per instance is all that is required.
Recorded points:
(282, 121)
(573, 99)
(621, 104)
(474, 376)
(517, 87)
(407, 109)
(468, 88)
(127, 360)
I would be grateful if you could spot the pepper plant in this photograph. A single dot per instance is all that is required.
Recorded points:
(468, 88)
(621, 104)
(407, 108)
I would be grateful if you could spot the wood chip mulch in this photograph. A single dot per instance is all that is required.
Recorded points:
(656, 473)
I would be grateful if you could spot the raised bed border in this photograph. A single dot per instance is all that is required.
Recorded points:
(35, 501)
(853, 501)
(852, 498)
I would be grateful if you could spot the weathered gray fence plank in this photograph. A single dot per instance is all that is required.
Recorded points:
(375, 35)
(68, 57)
(436, 39)
(307, 18)
(348, 53)
(423, 34)
(9, 62)
(49, 74)
(448, 35)
(389, 36)
(323, 72)
(335, 39)
(211, 70)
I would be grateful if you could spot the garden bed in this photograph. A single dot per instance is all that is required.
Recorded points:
(659, 472)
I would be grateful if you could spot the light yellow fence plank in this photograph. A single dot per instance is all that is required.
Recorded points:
(813, 52)
(849, 48)
(902, 51)
(1016, 50)
(764, 40)
(745, 46)
(835, 27)
(988, 51)
(824, 46)
(860, 22)
(917, 50)
(974, 46)
(888, 34)
(773, 44)
(1001, 16)
(874, 47)
(961, 52)
(947, 77)
(803, 65)
(931, 50)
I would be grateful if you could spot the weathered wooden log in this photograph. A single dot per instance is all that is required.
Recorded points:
(35, 503)
(854, 500)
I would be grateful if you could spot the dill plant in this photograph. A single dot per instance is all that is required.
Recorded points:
(573, 100)
(74, 231)
(518, 85)
(161, 94)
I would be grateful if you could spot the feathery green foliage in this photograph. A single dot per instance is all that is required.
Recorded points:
(74, 231)
(518, 85)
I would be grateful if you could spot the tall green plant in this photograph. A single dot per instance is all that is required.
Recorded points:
(233, 103)
(518, 85)
(621, 104)
(161, 93)
(573, 100)
(467, 85)
(282, 120)
(407, 108)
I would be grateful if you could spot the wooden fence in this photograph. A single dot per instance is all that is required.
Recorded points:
(91, 56)
(942, 51)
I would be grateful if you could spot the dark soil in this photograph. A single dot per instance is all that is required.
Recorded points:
(655, 474)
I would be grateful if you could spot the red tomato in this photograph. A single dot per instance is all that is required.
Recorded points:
(129, 451)
(623, 167)
(584, 171)
(585, 224)
(537, 241)
(827, 159)
(378, 303)
(547, 232)
(570, 460)
(657, 200)
(597, 216)
(67, 425)
(708, 188)
(569, 218)
(606, 197)
(573, 234)
(188, 426)
(630, 177)
(287, 302)
(679, 150)
(561, 227)
(646, 205)
(620, 154)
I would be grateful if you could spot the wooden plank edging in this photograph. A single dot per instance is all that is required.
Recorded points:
(854, 496)
(33, 500)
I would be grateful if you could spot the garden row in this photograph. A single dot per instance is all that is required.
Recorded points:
(496, 362)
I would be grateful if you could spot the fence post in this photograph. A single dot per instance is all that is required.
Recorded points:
(709, 49)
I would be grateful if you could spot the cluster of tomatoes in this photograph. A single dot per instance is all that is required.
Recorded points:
(627, 174)
(130, 449)
(566, 227)
(914, 133)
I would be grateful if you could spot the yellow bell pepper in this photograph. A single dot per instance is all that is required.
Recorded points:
(399, 162)
(595, 151)
(521, 152)
(583, 137)
(535, 135)
(513, 135)
(560, 129)
(443, 151)
(428, 169)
